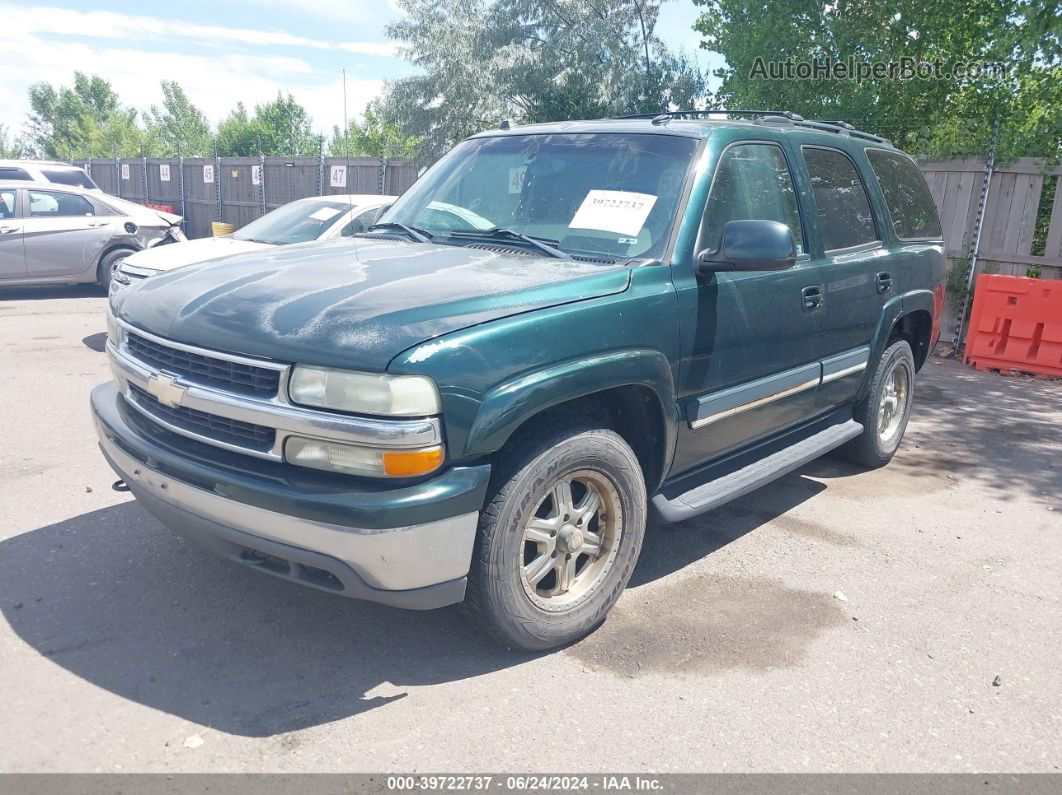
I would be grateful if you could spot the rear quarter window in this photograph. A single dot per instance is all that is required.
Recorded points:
(68, 176)
(11, 172)
(911, 208)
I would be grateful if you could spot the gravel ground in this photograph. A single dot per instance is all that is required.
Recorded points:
(837, 620)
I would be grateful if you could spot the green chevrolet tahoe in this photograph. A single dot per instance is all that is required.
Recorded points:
(556, 331)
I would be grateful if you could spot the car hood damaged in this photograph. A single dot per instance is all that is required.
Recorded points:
(353, 303)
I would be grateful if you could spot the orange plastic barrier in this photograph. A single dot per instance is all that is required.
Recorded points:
(1016, 324)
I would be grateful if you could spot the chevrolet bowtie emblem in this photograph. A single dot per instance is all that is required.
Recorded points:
(165, 389)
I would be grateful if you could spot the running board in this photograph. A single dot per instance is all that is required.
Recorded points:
(758, 473)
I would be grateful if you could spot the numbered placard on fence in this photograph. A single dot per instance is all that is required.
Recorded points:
(256, 175)
(164, 172)
(125, 171)
(208, 173)
(339, 177)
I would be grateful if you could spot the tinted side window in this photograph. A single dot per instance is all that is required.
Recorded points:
(841, 201)
(10, 172)
(361, 222)
(68, 176)
(48, 204)
(752, 182)
(906, 195)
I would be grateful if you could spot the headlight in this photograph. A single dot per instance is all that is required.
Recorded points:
(118, 274)
(357, 460)
(364, 393)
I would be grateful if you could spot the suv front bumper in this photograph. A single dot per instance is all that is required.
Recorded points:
(407, 546)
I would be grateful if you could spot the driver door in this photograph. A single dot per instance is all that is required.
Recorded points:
(750, 339)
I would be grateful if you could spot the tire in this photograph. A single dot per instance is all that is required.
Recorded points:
(501, 598)
(106, 266)
(875, 448)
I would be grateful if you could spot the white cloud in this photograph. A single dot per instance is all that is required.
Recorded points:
(385, 48)
(115, 25)
(361, 12)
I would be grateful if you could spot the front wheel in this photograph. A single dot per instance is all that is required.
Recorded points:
(885, 410)
(559, 539)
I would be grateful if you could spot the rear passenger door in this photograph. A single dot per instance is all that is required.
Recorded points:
(857, 269)
(62, 233)
(12, 257)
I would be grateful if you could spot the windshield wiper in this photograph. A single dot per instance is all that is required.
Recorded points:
(544, 245)
(420, 235)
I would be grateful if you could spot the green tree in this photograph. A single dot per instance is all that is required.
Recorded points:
(85, 120)
(482, 61)
(10, 147)
(373, 137)
(931, 115)
(238, 136)
(178, 127)
(284, 128)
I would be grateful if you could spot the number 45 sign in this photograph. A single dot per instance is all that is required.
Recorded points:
(338, 177)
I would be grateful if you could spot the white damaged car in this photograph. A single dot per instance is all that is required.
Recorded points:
(301, 221)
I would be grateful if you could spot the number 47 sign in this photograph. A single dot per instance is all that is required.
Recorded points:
(338, 177)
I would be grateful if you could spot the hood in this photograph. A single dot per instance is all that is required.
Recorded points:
(352, 303)
(177, 255)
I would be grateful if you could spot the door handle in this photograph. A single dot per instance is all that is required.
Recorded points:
(884, 280)
(813, 298)
(7, 230)
(98, 223)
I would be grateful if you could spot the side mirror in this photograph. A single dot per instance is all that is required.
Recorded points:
(751, 246)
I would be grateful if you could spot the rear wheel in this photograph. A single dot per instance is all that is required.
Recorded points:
(107, 263)
(559, 539)
(885, 410)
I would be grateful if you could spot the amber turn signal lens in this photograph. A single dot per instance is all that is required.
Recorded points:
(402, 463)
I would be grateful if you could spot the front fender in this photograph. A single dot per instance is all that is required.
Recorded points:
(509, 405)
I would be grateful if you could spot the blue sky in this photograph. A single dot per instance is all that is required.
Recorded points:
(222, 52)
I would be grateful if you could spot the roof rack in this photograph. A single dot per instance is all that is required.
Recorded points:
(666, 116)
(838, 126)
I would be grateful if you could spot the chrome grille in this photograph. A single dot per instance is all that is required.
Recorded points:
(244, 379)
(211, 426)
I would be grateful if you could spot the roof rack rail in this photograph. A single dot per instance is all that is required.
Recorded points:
(835, 126)
(666, 116)
(766, 117)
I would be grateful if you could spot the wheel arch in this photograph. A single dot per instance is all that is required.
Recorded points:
(910, 317)
(916, 327)
(630, 392)
(115, 247)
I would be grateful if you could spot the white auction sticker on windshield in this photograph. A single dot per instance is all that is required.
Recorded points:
(616, 211)
(324, 214)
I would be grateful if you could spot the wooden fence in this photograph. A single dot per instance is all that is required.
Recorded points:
(237, 190)
(1009, 224)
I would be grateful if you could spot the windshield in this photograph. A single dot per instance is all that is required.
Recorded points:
(590, 194)
(298, 222)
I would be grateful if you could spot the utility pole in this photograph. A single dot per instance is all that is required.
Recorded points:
(979, 221)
